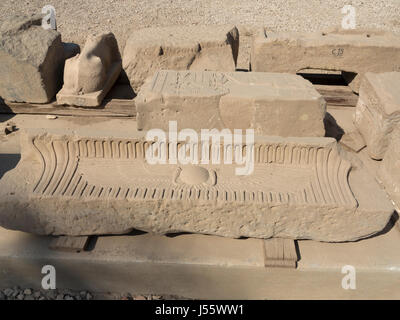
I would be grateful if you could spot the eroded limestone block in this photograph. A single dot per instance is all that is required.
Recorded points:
(89, 76)
(378, 110)
(179, 48)
(31, 60)
(353, 51)
(389, 172)
(301, 188)
(270, 103)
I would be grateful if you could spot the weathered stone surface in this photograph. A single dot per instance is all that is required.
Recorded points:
(378, 110)
(301, 188)
(353, 140)
(31, 60)
(389, 171)
(270, 103)
(179, 48)
(90, 75)
(351, 51)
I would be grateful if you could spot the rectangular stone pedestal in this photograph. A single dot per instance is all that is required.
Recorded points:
(270, 103)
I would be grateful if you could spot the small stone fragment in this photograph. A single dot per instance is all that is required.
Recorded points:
(10, 128)
(270, 103)
(27, 291)
(51, 294)
(8, 292)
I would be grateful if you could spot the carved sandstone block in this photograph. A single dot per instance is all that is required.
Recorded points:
(378, 110)
(89, 76)
(301, 188)
(352, 51)
(270, 103)
(179, 48)
(31, 60)
(389, 172)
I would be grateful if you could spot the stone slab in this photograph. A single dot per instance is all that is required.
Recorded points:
(378, 110)
(205, 267)
(270, 103)
(89, 76)
(31, 60)
(389, 172)
(179, 48)
(353, 51)
(301, 188)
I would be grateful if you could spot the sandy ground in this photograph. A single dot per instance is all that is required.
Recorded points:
(77, 18)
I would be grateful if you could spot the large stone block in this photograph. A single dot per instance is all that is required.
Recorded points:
(301, 188)
(389, 172)
(179, 48)
(378, 110)
(31, 60)
(269, 103)
(353, 51)
(90, 75)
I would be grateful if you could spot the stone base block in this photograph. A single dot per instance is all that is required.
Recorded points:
(270, 103)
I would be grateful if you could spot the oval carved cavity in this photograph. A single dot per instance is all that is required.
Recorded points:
(194, 175)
